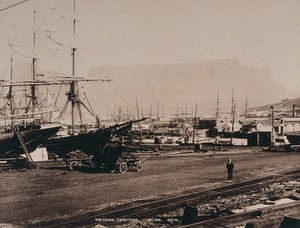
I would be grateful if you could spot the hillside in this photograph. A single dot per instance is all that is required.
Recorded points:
(282, 108)
(173, 84)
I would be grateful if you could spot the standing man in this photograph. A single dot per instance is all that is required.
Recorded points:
(230, 167)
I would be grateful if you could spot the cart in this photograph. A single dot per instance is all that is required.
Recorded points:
(107, 162)
(125, 163)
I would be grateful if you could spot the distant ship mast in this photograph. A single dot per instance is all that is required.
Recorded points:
(73, 94)
(33, 97)
(246, 109)
(233, 106)
(73, 85)
(217, 112)
(33, 89)
(194, 127)
(9, 95)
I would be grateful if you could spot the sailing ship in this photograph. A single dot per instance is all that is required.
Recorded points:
(79, 135)
(22, 133)
(88, 141)
(24, 125)
(91, 143)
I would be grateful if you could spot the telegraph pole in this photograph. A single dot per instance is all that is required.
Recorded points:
(272, 126)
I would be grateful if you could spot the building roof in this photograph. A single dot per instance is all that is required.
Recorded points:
(291, 119)
(208, 118)
(264, 128)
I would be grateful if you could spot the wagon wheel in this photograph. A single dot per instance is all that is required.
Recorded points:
(111, 168)
(73, 164)
(123, 167)
(139, 166)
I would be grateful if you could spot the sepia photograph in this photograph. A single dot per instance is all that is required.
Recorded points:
(150, 113)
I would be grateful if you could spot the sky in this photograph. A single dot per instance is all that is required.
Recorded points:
(262, 33)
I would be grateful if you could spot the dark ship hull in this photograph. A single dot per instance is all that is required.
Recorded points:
(90, 143)
(33, 136)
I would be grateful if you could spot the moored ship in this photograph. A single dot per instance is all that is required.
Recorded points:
(13, 140)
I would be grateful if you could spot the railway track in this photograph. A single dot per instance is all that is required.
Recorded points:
(243, 216)
(151, 209)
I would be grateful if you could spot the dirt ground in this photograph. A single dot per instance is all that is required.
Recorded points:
(48, 193)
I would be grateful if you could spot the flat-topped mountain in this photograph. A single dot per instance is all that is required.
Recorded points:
(199, 82)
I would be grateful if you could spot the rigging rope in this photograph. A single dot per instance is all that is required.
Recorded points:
(11, 6)
(23, 55)
(50, 38)
(90, 106)
(58, 93)
(63, 110)
(122, 97)
(102, 98)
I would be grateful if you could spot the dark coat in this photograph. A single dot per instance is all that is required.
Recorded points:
(230, 166)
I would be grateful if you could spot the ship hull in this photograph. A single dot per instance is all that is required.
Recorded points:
(11, 146)
(90, 143)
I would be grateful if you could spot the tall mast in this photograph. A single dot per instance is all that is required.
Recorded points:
(186, 111)
(73, 49)
(246, 109)
(150, 115)
(195, 119)
(120, 114)
(9, 95)
(272, 126)
(34, 30)
(72, 94)
(74, 20)
(232, 102)
(157, 111)
(232, 111)
(33, 87)
(233, 120)
(138, 114)
(177, 113)
(217, 112)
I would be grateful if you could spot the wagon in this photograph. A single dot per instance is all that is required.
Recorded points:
(107, 162)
